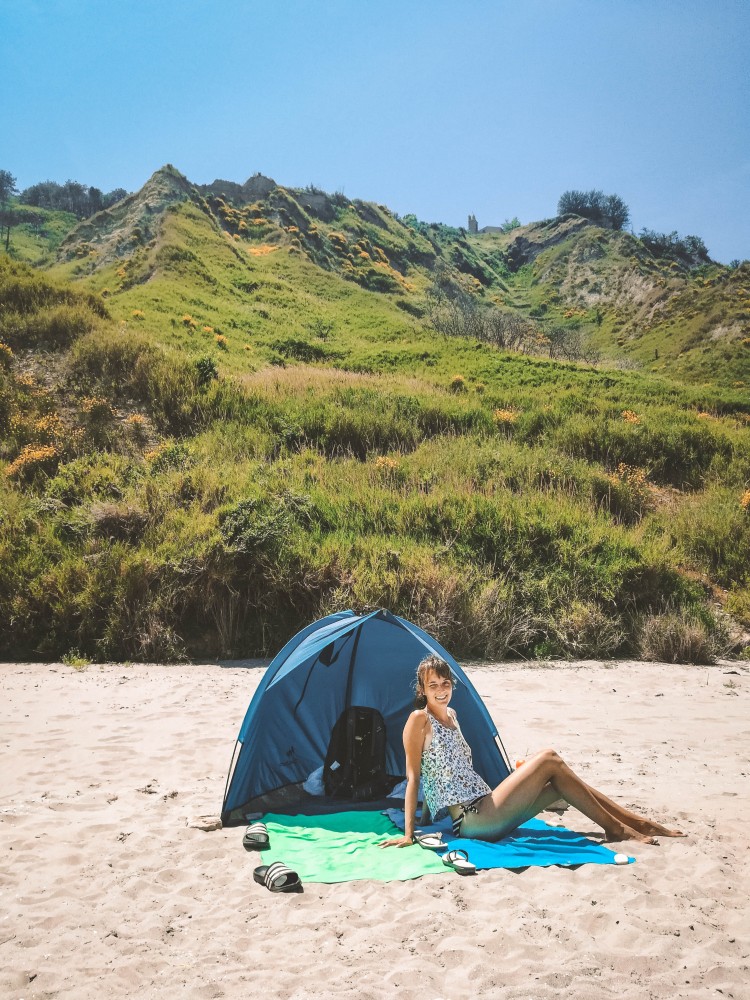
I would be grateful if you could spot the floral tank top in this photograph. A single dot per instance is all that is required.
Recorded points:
(448, 777)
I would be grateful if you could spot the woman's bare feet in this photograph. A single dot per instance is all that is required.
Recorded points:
(656, 829)
(619, 831)
(662, 831)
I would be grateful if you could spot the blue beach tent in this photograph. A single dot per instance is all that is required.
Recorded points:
(341, 661)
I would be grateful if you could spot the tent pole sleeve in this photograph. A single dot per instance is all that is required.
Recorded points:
(503, 752)
(229, 774)
(310, 673)
(350, 678)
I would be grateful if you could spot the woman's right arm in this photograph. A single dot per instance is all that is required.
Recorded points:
(414, 735)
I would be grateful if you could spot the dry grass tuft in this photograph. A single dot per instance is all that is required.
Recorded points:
(678, 637)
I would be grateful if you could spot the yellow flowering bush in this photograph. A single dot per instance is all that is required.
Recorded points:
(630, 417)
(745, 501)
(138, 314)
(388, 470)
(505, 416)
(187, 320)
(457, 384)
(221, 341)
(625, 493)
(33, 459)
(339, 241)
(637, 482)
(97, 408)
(48, 427)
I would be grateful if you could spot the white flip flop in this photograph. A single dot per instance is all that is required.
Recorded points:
(458, 860)
(430, 841)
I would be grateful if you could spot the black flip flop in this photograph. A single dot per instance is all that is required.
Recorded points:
(256, 837)
(458, 860)
(277, 877)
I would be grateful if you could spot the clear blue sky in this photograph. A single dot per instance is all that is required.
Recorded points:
(432, 107)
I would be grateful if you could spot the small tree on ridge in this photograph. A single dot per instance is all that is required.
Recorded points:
(606, 209)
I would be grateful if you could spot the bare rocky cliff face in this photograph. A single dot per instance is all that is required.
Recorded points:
(528, 242)
(116, 232)
(255, 188)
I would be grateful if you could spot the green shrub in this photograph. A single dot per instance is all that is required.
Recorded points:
(25, 291)
(206, 369)
(132, 368)
(53, 328)
(680, 637)
(73, 658)
(411, 307)
(675, 451)
(502, 622)
(254, 525)
(712, 530)
(586, 629)
(738, 604)
(302, 350)
(169, 455)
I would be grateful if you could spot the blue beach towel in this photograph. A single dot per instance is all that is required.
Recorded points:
(533, 843)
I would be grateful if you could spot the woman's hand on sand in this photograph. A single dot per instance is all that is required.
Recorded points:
(397, 842)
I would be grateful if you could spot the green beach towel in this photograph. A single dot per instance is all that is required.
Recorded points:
(343, 847)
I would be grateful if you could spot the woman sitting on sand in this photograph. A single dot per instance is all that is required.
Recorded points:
(436, 750)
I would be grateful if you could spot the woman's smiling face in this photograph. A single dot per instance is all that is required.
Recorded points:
(438, 691)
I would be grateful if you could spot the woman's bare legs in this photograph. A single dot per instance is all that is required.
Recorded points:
(633, 820)
(541, 780)
(625, 816)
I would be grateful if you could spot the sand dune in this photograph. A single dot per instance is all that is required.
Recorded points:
(107, 892)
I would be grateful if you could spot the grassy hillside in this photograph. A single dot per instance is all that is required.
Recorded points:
(38, 234)
(205, 446)
(225, 411)
(662, 315)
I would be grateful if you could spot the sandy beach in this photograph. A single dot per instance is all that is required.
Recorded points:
(106, 891)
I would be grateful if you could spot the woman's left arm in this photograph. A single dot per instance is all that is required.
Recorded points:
(414, 734)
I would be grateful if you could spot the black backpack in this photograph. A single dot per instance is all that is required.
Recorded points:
(355, 763)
